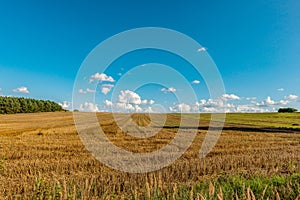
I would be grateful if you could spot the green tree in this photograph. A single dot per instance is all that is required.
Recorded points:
(10, 105)
(287, 110)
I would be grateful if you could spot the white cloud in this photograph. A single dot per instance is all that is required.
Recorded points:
(22, 89)
(185, 108)
(291, 97)
(211, 105)
(130, 97)
(90, 90)
(201, 49)
(280, 89)
(210, 109)
(269, 102)
(214, 103)
(81, 91)
(249, 108)
(219, 105)
(230, 97)
(170, 89)
(197, 105)
(151, 102)
(144, 101)
(65, 105)
(196, 82)
(283, 102)
(172, 109)
(181, 107)
(108, 103)
(89, 107)
(101, 78)
(124, 107)
(106, 88)
(129, 101)
(202, 102)
(251, 98)
(138, 108)
(148, 110)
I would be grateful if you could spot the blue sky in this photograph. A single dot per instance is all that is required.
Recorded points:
(255, 45)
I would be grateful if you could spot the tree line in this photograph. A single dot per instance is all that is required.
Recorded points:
(287, 110)
(11, 105)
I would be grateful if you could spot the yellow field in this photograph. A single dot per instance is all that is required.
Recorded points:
(42, 157)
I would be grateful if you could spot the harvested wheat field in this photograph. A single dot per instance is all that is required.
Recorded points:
(256, 157)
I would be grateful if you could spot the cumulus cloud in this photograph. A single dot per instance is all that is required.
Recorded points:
(269, 102)
(181, 107)
(151, 102)
(170, 89)
(124, 107)
(184, 108)
(217, 105)
(145, 101)
(196, 82)
(148, 110)
(22, 89)
(106, 88)
(101, 78)
(138, 108)
(220, 105)
(230, 97)
(129, 101)
(108, 103)
(283, 102)
(291, 97)
(127, 107)
(65, 105)
(280, 89)
(130, 97)
(88, 107)
(214, 102)
(201, 49)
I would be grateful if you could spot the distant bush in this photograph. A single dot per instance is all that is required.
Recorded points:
(11, 105)
(287, 110)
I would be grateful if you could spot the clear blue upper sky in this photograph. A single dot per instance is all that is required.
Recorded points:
(255, 44)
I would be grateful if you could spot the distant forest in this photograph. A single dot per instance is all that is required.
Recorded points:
(11, 105)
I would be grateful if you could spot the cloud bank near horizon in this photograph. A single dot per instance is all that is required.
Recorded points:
(130, 101)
